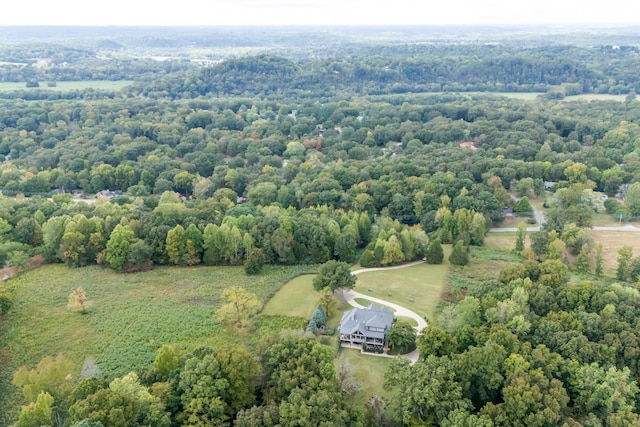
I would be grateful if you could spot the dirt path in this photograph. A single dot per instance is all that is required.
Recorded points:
(350, 296)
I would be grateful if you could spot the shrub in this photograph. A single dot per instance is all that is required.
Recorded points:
(255, 261)
(459, 254)
(435, 254)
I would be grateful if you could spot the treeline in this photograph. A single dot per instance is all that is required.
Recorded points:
(133, 237)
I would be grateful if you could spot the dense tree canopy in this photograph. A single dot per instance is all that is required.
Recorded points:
(324, 150)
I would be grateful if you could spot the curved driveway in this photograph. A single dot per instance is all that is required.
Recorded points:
(350, 296)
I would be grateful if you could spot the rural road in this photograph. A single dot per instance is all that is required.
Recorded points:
(538, 214)
(625, 228)
(350, 296)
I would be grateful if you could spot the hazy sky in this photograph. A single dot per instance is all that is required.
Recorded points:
(313, 12)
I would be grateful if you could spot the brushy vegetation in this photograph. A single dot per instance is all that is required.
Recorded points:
(132, 315)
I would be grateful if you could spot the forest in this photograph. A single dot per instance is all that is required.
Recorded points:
(315, 147)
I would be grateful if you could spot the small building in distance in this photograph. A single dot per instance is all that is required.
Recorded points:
(366, 326)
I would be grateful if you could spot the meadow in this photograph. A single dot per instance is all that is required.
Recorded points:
(130, 317)
(109, 85)
(595, 97)
(611, 241)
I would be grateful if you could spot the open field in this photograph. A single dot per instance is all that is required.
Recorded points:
(296, 298)
(417, 288)
(67, 86)
(502, 241)
(595, 97)
(367, 369)
(608, 220)
(524, 96)
(131, 317)
(513, 221)
(612, 241)
(528, 96)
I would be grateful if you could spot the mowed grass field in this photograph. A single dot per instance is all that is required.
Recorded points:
(131, 316)
(417, 288)
(109, 85)
(295, 298)
(368, 370)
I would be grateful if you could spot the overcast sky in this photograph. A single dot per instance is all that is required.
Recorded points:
(313, 12)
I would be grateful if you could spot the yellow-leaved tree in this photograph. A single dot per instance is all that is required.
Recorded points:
(240, 307)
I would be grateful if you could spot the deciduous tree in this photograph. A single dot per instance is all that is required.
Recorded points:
(240, 307)
(402, 336)
(334, 275)
(118, 246)
(78, 300)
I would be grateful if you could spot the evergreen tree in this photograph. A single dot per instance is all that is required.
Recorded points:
(367, 259)
(435, 254)
(599, 269)
(522, 231)
(459, 254)
(523, 207)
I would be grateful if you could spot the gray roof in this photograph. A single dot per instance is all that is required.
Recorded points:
(367, 321)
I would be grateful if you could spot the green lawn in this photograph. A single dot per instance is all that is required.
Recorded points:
(368, 370)
(365, 302)
(67, 86)
(417, 288)
(131, 317)
(409, 320)
(296, 298)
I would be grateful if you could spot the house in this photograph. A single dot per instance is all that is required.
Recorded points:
(366, 326)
